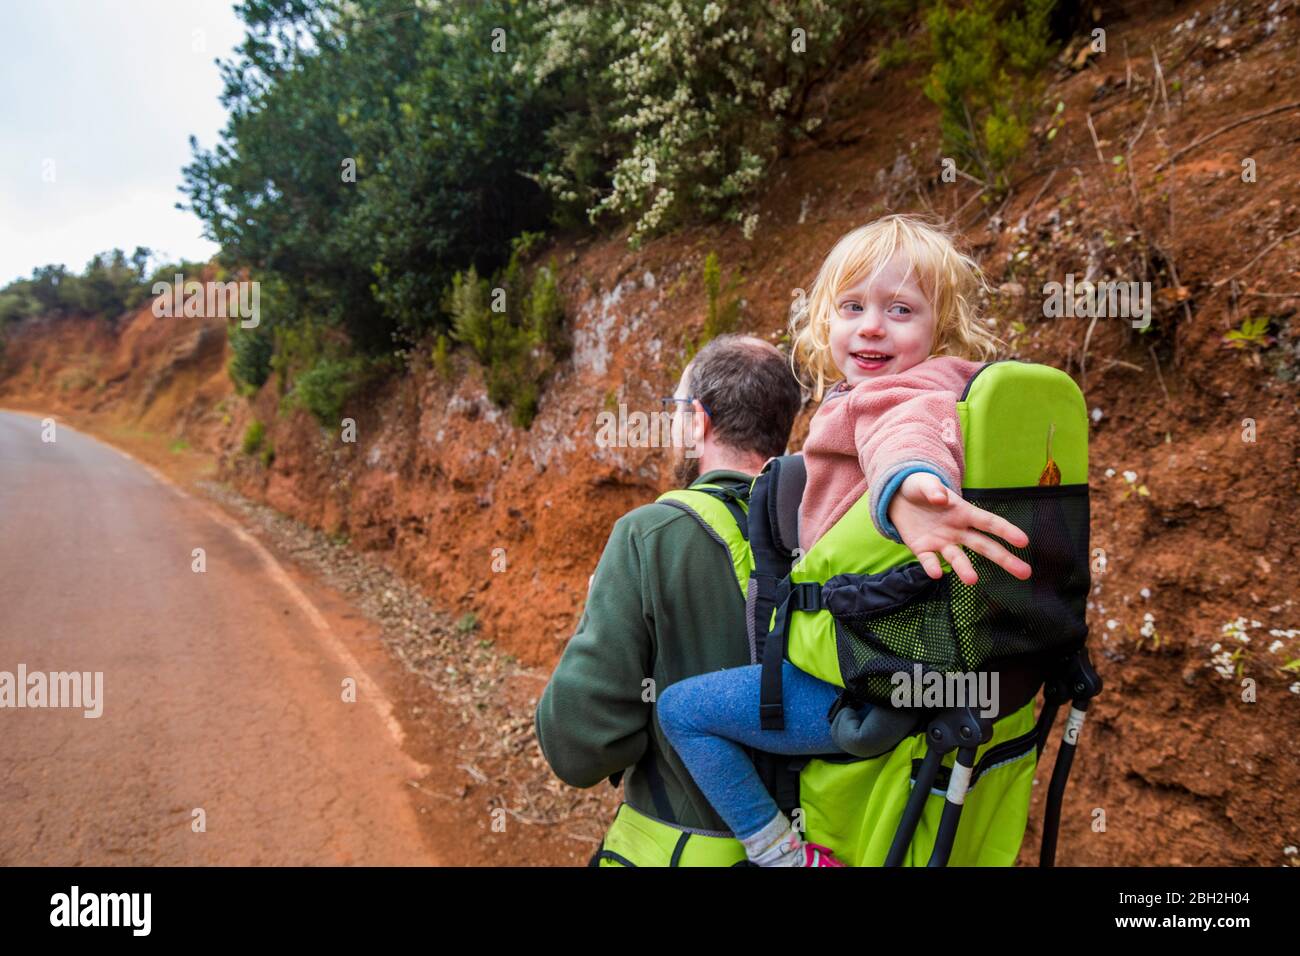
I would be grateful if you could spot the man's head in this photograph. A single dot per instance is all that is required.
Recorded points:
(745, 399)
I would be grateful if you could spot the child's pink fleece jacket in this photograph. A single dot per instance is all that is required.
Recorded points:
(871, 436)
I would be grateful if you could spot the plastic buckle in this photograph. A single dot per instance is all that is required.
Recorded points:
(806, 596)
(771, 716)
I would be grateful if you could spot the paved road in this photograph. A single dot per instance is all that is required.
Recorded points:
(222, 690)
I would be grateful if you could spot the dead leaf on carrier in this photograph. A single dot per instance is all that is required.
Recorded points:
(1051, 474)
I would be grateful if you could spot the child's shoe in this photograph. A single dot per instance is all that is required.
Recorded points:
(779, 844)
(792, 850)
(814, 854)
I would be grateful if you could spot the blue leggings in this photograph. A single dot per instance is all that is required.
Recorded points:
(706, 719)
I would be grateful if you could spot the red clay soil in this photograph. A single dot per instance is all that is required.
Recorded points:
(1194, 447)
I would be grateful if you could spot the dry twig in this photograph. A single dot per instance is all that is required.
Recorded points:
(1083, 356)
(1114, 361)
(1258, 256)
(1201, 141)
(1160, 378)
(1095, 142)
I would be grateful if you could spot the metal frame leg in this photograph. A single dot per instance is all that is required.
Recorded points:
(1077, 683)
(964, 730)
(958, 785)
(953, 729)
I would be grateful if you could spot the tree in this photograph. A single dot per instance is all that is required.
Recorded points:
(434, 123)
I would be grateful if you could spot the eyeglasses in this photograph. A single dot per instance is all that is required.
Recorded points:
(668, 400)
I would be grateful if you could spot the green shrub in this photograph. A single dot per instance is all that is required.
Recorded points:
(250, 362)
(298, 347)
(111, 283)
(471, 318)
(900, 52)
(1253, 333)
(513, 328)
(17, 303)
(546, 307)
(326, 387)
(442, 356)
(254, 435)
(722, 310)
(988, 56)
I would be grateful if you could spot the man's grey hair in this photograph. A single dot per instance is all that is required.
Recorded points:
(751, 395)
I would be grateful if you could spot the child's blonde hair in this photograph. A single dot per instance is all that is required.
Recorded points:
(948, 279)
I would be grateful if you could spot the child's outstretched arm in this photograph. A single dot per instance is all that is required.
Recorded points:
(909, 441)
(933, 520)
(906, 423)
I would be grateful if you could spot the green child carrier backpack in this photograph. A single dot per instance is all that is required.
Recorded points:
(857, 609)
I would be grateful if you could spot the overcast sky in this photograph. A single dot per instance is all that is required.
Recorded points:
(102, 96)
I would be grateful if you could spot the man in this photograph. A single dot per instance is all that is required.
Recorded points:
(664, 605)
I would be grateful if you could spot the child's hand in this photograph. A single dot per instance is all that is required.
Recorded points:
(934, 521)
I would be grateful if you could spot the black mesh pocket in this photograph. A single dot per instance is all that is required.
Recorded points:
(885, 623)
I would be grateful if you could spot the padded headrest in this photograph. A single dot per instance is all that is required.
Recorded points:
(1020, 417)
(783, 499)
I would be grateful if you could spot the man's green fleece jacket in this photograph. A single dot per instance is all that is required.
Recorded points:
(664, 605)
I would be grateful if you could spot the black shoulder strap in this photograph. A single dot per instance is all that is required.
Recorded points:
(769, 580)
(733, 495)
(771, 560)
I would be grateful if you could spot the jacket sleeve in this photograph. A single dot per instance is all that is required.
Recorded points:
(592, 720)
(909, 425)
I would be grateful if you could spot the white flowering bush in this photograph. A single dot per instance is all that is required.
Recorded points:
(1230, 661)
(678, 109)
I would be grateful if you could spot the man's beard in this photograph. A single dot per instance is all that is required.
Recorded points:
(685, 471)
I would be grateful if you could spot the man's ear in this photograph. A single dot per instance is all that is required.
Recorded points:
(700, 423)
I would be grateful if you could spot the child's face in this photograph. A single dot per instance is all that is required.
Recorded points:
(881, 327)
